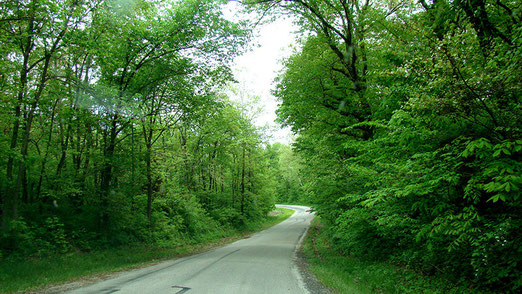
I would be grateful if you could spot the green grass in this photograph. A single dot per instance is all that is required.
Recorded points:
(280, 215)
(38, 273)
(345, 274)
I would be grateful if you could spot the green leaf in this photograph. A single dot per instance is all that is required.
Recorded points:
(494, 198)
(492, 186)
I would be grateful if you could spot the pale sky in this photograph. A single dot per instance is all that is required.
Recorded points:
(256, 69)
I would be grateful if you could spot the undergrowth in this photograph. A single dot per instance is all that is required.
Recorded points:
(31, 274)
(345, 274)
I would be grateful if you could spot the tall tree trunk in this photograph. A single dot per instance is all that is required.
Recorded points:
(10, 198)
(47, 151)
(243, 182)
(106, 175)
(65, 146)
(21, 181)
(233, 180)
(148, 159)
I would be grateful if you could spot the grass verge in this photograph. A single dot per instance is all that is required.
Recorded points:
(34, 274)
(277, 216)
(344, 274)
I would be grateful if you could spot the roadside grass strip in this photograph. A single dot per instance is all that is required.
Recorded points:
(345, 274)
(38, 274)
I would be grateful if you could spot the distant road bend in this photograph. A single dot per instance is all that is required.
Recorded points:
(263, 263)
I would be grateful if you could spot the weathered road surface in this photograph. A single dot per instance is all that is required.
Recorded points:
(263, 263)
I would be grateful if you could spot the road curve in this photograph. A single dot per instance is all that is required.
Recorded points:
(263, 263)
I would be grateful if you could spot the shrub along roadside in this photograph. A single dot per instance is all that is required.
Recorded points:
(345, 274)
(38, 273)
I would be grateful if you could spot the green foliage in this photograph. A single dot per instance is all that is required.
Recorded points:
(286, 166)
(350, 274)
(408, 118)
(114, 129)
(49, 238)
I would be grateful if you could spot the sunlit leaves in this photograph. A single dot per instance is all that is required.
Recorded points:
(436, 167)
(112, 122)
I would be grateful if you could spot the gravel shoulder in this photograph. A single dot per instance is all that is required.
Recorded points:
(311, 282)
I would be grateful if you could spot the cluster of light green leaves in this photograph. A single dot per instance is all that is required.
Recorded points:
(420, 163)
(113, 130)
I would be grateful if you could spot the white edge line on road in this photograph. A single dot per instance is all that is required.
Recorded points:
(295, 269)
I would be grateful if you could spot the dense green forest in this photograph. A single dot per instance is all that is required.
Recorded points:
(408, 117)
(115, 129)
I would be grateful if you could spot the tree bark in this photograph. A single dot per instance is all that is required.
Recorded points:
(106, 175)
(243, 183)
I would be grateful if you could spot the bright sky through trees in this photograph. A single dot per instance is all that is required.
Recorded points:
(257, 68)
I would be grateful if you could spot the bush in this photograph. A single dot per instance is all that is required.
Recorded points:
(36, 240)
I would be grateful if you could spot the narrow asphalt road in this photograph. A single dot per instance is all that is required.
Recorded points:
(263, 263)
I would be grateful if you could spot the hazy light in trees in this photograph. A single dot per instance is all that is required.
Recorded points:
(256, 69)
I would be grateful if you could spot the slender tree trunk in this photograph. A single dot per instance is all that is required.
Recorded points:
(21, 180)
(243, 182)
(46, 156)
(148, 159)
(106, 175)
(250, 173)
(65, 146)
(232, 180)
(10, 198)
